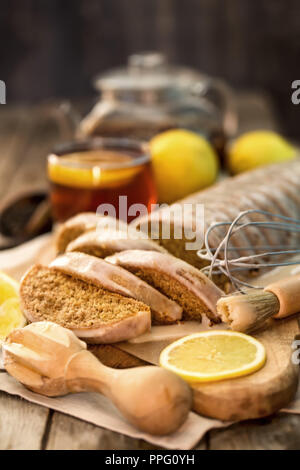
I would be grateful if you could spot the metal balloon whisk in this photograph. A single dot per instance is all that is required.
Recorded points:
(221, 263)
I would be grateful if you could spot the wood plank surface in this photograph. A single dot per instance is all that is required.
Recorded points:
(67, 433)
(280, 432)
(22, 424)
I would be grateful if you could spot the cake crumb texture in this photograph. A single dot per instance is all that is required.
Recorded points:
(47, 294)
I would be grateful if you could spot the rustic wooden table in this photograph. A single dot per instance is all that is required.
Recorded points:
(26, 136)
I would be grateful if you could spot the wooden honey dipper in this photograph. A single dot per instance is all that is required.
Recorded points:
(51, 360)
(245, 312)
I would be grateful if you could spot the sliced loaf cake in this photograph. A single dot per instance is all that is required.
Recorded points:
(82, 223)
(92, 312)
(102, 243)
(118, 280)
(175, 278)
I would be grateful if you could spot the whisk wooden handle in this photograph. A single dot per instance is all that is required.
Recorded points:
(288, 293)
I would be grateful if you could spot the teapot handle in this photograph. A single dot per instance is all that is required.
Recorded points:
(226, 97)
(66, 117)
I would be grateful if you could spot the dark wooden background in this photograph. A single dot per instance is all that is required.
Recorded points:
(52, 48)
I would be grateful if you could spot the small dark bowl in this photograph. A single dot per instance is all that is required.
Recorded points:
(24, 218)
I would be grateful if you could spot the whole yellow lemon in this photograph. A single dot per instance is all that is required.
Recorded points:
(258, 148)
(183, 162)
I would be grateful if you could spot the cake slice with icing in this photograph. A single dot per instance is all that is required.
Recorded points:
(178, 280)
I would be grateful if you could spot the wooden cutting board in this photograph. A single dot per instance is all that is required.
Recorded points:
(259, 394)
(254, 396)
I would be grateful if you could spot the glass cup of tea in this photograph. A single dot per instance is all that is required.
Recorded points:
(112, 173)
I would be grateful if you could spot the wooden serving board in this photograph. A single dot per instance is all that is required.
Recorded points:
(259, 394)
(254, 396)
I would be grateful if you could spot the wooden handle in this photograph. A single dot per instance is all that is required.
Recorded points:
(85, 373)
(288, 293)
(151, 398)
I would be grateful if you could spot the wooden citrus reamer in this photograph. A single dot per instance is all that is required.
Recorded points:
(51, 360)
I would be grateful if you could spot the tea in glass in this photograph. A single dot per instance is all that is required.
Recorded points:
(85, 174)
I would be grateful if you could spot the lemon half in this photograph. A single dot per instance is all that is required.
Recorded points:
(213, 355)
(11, 316)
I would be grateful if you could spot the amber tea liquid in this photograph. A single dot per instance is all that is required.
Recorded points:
(80, 181)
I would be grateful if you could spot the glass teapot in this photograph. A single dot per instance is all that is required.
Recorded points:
(150, 96)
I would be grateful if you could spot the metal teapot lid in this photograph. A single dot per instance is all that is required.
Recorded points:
(147, 77)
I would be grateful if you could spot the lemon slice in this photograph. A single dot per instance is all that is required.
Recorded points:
(10, 317)
(213, 355)
(10, 312)
(8, 287)
(70, 171)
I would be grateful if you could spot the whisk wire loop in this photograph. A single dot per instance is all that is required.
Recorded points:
(221, 263)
